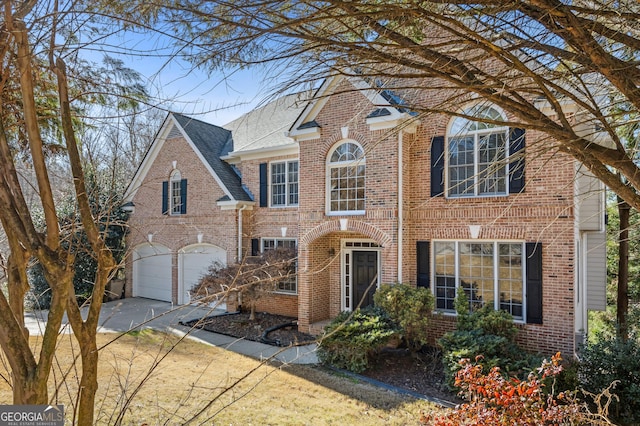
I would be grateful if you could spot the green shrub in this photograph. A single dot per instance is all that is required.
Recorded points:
(111, 222)
(353, 338)
(608, 360)
(410, 308)
(487, 333)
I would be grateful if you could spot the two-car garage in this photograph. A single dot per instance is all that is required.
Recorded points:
(153, 269)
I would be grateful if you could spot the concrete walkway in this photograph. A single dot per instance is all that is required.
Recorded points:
(137, 313)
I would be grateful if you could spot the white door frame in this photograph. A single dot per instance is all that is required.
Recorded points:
(347, 247)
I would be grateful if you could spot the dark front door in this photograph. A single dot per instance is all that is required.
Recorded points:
(365, 277)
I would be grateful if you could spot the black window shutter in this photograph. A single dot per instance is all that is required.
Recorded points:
(255, 247)
(533, 253)
(424, 264)
(165, 197)
(183, 196)
(264, 186)
(516, 167)
(437, 166)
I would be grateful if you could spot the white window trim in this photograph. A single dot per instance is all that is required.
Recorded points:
(175, 177)
(275, 240)
(476, 134)
(348, 248)
(496, 288)
(328, 167)
(270, 191)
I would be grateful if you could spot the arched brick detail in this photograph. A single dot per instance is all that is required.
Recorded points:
(353, 225)
(158, 239)
(337, 137)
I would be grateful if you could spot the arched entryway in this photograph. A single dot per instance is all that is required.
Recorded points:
(340, 268)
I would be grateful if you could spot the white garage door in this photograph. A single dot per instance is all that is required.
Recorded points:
(152, 272)
(193, 262)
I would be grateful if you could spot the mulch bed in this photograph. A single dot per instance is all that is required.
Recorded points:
(421, 372)
(239, 325)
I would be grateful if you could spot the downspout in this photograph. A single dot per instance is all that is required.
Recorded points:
(400, 207)
(240, 232)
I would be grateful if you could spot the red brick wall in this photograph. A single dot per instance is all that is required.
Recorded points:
(543, 212)
(281, 304)
(219, 227)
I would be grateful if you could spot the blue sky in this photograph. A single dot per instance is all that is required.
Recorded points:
(217, 98)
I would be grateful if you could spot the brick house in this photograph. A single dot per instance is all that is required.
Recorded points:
(370, 194)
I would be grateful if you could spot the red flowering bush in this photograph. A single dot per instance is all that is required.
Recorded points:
(498, 400)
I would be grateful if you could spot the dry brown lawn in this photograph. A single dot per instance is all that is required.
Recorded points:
(146, 378)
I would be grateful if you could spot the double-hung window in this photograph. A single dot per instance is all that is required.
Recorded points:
(346, 179)
(284, 184)
(489, 272)
(290, 283)
(477, 154)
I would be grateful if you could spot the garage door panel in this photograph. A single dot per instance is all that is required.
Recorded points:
(194, 262)
(152, 273)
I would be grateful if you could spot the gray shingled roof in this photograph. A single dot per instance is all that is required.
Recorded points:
(265, 127)
(214, 142)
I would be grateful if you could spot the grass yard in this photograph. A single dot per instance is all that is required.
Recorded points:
(146, 379)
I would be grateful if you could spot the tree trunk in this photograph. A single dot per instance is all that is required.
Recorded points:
(624, 211)
(89, 381)
(252, 313)
(17, 276)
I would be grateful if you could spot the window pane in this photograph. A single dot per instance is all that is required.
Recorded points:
(278, 184)
(510, 280)
(492, 165)
(347, 178)
(176, 197)
(290, 283)
(477, 154)
(347, 152)
(293, 183)
(445, 282)
(284, 183)
(477, 265)
(476, 273)
(461, 167)
(347, 188)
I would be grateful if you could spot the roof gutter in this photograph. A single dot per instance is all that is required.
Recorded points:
(253, 154)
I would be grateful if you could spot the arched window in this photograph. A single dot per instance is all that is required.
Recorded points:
(175, 199)
(346, 179)
(477, 153)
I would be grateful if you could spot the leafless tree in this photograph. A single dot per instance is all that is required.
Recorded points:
(253, 278)
(44, 89)
(569, 70)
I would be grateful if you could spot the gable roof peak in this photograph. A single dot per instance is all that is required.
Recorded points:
(208, 141)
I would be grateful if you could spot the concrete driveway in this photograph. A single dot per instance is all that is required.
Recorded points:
(137, 313)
